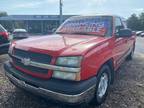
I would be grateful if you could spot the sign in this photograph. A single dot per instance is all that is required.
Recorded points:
(86, 25)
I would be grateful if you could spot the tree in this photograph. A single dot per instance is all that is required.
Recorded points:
(134, 22)
(3, 14)
(6, 24)
(141, 19)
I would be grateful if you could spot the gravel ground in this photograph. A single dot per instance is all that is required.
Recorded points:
(126, 92)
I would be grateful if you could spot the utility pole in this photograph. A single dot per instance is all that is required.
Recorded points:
(61, 11)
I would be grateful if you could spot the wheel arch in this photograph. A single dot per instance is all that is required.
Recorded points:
(110, 63)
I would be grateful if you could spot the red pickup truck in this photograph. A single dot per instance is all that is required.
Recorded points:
(4, 40)
(77, 63)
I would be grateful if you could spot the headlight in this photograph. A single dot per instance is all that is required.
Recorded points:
(66, 75)
(69, 61)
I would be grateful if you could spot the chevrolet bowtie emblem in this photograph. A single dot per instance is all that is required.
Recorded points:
(26, 61)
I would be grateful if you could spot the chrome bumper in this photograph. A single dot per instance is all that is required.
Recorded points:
(85, 96)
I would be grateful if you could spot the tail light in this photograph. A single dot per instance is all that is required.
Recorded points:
(5, 35)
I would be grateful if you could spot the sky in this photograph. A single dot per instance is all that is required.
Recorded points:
(75, 7)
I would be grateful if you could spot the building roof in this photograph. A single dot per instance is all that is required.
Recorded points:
(42, 17)
(34, 17)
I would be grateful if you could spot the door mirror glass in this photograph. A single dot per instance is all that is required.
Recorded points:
(124, 33)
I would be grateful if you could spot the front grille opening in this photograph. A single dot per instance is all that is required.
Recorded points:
(37, 57)
(30, 68)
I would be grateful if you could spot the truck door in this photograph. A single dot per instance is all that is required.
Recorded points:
(120, 44)
(130, 40)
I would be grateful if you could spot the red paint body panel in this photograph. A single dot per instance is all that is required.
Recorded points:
(57, 45)
(4, 34)
(34, 75)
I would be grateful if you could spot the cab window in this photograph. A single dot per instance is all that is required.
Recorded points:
(118, 24)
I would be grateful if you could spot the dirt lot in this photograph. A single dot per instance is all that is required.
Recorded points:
(127, 91)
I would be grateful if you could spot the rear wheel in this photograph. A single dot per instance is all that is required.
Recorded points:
(103, 84)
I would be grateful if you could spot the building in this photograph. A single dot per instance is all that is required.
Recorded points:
(32, 23)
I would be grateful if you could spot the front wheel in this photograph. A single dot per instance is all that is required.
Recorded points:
(103, 84)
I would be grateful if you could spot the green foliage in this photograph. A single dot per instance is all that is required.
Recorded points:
(3, 14)
(136, 22)
(141, 19)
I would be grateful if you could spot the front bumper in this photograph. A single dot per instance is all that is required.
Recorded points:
(59, 90)
(4, 48)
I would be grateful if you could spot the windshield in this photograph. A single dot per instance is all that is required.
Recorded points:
(87, 25)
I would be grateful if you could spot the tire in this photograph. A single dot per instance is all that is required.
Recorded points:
(101, 92)
(130, 56)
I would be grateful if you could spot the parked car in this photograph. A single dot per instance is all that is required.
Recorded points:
(142, 34)
(76, 64)
(138, 33)
(4, 40)
(20, 34)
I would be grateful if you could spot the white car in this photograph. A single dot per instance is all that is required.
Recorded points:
(20, 34)
(138, 33)
(142, 34)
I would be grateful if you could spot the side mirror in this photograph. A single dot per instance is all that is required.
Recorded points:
(124, 33)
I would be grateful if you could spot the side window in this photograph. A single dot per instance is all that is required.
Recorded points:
(125, 24)
(118, 24)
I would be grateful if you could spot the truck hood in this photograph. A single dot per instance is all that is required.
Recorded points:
(59, 44)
